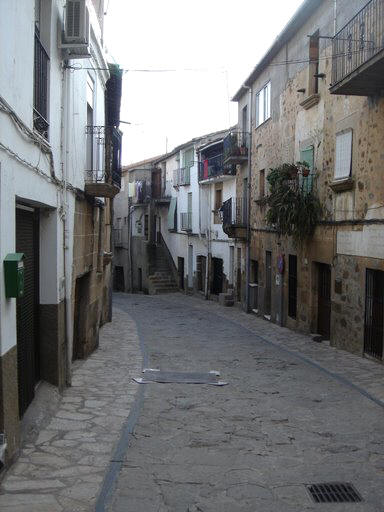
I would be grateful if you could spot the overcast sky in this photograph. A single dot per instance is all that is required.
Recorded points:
(220, 40)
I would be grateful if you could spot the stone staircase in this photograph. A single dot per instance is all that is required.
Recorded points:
(162, 279)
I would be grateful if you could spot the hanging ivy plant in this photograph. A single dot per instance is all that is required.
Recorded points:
(294, 209)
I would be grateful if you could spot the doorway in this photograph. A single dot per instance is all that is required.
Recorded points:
(190, 266)
(238, 275)
(324, 300)
(180, 270)
(217, 276)
(27, 307)
(80, 316)
(268, 283)
(373, 322)
(119, 279)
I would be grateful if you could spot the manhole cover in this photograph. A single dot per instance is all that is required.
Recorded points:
(164, 377)
(339, 492)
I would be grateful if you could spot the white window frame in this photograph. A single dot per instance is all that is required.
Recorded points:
(263, 104)
(343, 154)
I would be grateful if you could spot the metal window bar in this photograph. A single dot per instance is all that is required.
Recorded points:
(40, 92)
(233, 212)
(182, 176)
(236, 144)
(374, 317)
(358, 41)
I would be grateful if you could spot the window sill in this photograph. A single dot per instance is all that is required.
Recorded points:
(342, 185)
(262, 124)
(310, 101)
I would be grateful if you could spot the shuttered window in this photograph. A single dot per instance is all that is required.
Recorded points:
(343, 157)
(172, 217)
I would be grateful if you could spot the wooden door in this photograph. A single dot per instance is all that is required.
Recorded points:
(373, 322)
(324, 300)
(268, 283)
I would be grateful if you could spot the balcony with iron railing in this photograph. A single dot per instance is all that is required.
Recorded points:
(186, 221)
(182, 176)
(236, 147)
(118, 237)
(235, 218)
(40, 90)
(213, 169)
(358, 53)
(104, 181)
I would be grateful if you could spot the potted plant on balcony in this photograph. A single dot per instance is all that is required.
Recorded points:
(303, 168)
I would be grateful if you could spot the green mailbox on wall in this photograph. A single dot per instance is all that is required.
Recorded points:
(14, 274)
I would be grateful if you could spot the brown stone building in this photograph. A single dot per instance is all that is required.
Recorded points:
(317, 97)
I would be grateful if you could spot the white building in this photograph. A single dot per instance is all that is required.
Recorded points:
(55, 185)
(183, 223)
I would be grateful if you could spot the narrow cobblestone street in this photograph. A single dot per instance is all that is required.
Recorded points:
(294, 412)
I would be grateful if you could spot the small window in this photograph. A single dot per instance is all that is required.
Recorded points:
(313, 82)
(343, 157)
(263, 104)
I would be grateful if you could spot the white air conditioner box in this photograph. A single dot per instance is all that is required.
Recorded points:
(75, 36)
(76, 28)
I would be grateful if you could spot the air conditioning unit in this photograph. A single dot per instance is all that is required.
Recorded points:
(75, 36)
(76, 28)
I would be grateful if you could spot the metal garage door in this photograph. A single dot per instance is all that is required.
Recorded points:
(27, 230)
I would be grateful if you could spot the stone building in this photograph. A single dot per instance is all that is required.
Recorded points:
(316, 97)
(59, 170)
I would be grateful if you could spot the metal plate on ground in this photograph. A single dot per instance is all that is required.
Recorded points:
(334, 492)
(168, 377)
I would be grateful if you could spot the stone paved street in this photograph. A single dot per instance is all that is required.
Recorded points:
(62, 470)
(295, 412)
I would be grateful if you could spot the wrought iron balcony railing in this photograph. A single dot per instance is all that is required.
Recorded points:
(357, 52)
(182, 176)
(186, 221)
(234, 212)
(214, 167)
(118, 237)
(236, 147)
(40, 90)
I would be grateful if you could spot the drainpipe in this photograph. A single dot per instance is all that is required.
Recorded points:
(248, 249)
(64, 213)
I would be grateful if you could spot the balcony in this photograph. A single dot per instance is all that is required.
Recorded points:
(40, 90)
(186, 221)
(107, 182)
(236, 147)
(101, 184)
(143, 192)
(213, 169)
(182, 177)
(358, 53)
(160, 190)
(234, 215)
(118, 237)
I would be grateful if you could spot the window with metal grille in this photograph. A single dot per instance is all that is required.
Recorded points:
(40, 87)
(292, 286)
(374, 318)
